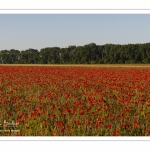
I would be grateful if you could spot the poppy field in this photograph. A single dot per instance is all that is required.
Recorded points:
(74, 101)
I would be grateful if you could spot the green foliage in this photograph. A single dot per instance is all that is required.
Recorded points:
(87, 54)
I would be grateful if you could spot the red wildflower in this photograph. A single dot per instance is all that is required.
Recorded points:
(79, 123)
(44, 121)
(54, 133)
(136, 124)
(62, 130)
(117, 132)
(109, 126)
(123, 124)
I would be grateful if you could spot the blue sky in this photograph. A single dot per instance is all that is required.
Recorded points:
(23, 31)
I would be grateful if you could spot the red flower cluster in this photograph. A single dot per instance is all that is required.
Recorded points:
(76, 101)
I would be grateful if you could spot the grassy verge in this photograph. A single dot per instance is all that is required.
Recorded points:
(84, 65)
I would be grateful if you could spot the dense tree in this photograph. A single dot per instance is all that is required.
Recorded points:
(87, 54)
(30, 56)
(4, 57)
(50, 55)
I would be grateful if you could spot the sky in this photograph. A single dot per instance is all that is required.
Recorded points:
(24, 31)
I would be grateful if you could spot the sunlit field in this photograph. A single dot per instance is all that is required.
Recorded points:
(85, 65)
(75, 100)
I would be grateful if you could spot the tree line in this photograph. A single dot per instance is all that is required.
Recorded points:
(87, 54)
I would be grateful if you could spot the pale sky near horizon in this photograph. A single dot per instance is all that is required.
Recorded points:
(24, 31)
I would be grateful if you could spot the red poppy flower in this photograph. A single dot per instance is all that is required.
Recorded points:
(109, 126)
